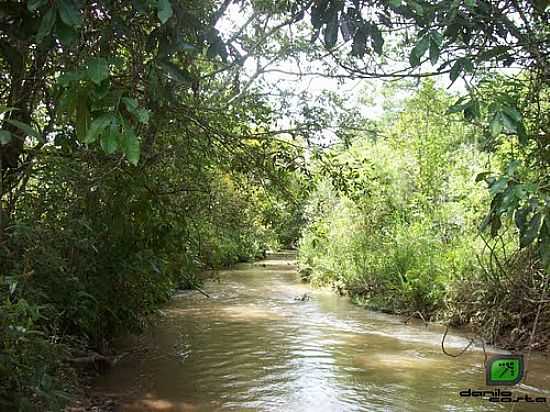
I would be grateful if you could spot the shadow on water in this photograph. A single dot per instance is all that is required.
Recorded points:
(252, 346)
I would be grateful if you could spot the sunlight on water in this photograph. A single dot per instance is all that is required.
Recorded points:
(253, 347)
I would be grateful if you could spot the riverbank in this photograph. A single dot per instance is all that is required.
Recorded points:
(509, 310)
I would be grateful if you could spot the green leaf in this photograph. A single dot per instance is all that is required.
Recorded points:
(458, 106)
(509, 123)
(436, 38)
(66, 34)
(331, 31)
(68, 77)
(142, 115)
(82, 117)
(12, 54)
(46, 25)
(472, 110)
(482, 176)
(69, 13)
(468, 65)
(97, 127)
(434, 52)
(417, 7)
(103, 90)
(109, 140)
(395, 3)
(513, 113)
(496, 126)
(456, 70)
(140, 5)
(175, 72)
(377, 39)
(499, 186)
(359, 44)
(98, 70)
(470, 3)
(131, 146)
(5, 137)
(492, 53)
(413, 59)
(419, 50)
(164, 10)
(522, 134)
(520, 218)
(24, 127)
(130, 103)
(33, 5)
(532, 231)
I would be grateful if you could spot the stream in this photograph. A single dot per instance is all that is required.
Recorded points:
(252, 346)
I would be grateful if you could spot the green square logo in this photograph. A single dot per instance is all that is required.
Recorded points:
(504, 370)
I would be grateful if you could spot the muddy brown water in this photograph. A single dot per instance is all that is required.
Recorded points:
(252, 347)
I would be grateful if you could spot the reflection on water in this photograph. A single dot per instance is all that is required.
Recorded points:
(252, 347)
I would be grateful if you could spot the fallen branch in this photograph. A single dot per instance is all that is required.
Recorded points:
(201, 291)
(93, 358)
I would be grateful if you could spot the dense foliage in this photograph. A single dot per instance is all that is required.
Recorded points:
(395, 220)
(124, 172)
